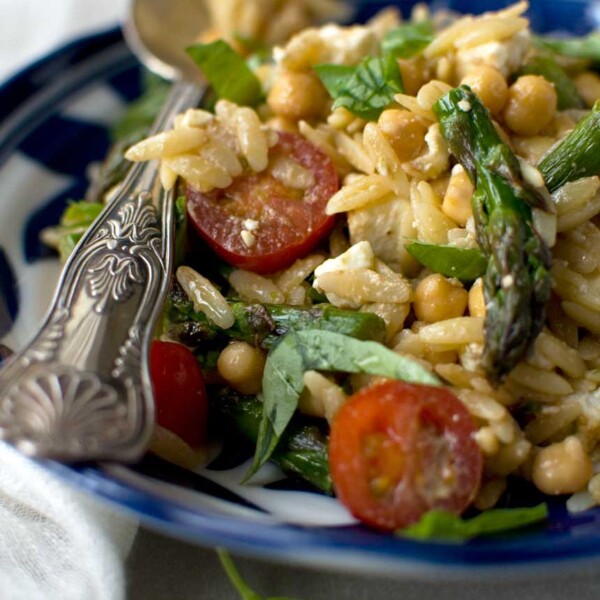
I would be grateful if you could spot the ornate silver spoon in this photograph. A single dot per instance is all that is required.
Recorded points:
(80, 390)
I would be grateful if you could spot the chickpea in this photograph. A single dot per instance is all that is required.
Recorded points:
(562, 468)
(489, 85)
(588, 86)
(405, 132)
(530, 106)
(476, 299)
(282, 124)
(242, 366)
(438, 298)
(297, 95)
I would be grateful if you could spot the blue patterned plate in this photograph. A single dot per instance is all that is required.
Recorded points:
(58, 112)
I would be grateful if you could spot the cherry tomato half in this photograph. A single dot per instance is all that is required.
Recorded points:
(179, 393)
(290, 221)
(397, 450)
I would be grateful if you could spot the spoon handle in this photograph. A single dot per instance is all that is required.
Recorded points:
(81, 389)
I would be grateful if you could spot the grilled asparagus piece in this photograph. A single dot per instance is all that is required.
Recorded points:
(263, 324)
(517, 280)
(576, 156)
(586, 47)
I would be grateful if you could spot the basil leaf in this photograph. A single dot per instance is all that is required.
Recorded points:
(335, 78)
(227, 72)
(365, 90)
(447, 527)
(301, 351)
(407, 40)
(587, 47)
(466, 264)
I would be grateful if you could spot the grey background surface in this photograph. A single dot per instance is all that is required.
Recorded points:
(161, 568)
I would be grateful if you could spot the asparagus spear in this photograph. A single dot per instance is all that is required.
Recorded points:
(302, 450)
(586, 47)
(517, 280)
(576, 156)
(263, 324)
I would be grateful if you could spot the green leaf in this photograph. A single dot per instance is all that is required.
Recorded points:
(466, 264)
(586, 47)
(74, 222)
(227, 72)
(407, 40)
(140, 114)
(366, 89)
(440, 525)
(547, 67)
(66, 245)
(180, 215)
(252, 45)
(256, 51)
(80, 213)
(335, 78)
(301, 351)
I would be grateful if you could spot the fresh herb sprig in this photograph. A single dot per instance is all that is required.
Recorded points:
(301, 351)
(368, 88)
(443, 526)
(227, 72)
(466, 264)
(244, 590)
(408, 39)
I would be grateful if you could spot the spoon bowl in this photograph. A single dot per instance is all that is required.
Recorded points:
(158, 31)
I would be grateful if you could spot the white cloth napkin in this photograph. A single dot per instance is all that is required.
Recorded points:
(55, 542)
(31, 28)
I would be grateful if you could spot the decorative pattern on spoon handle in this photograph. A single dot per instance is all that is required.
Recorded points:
(81, 389)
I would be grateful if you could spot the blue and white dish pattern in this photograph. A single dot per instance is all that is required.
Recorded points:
(58, 113)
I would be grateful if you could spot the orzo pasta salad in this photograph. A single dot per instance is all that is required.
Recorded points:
(388, 277)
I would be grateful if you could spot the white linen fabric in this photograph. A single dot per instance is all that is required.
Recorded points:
(56, 543)
(31, 28)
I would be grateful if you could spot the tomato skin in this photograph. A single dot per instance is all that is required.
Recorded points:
(398, 450)
(179, 393)
(291, 222)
